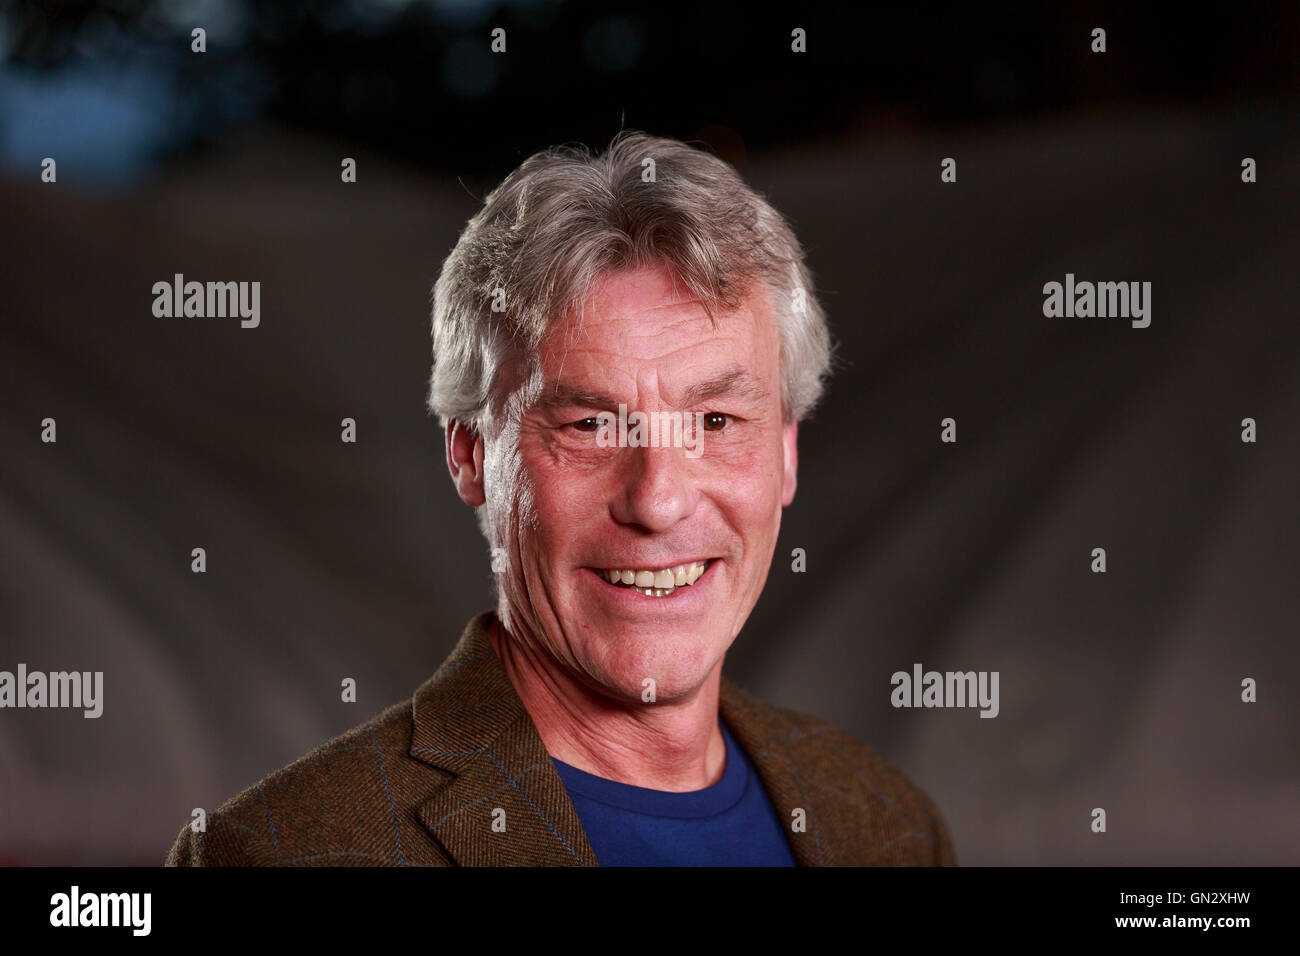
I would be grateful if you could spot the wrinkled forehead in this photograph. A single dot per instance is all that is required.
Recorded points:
(647, 321)
(644, 324)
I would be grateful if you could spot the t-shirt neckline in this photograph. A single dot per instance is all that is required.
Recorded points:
(692, 804)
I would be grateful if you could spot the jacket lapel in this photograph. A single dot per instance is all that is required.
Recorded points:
(766, 737)
(507, 805)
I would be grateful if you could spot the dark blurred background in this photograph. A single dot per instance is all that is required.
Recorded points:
(329, 560)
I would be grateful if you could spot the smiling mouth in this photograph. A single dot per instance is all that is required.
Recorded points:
(656, 584)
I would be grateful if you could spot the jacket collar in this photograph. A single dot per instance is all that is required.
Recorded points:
(469, 720)
(765, 737)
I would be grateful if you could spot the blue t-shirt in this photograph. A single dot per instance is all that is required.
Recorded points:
(731, 823)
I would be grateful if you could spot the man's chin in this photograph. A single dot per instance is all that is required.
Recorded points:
(650, 669)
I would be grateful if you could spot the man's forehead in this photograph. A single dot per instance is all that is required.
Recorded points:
(589, 389)
(650, 296)
(644, 327)
(650, 288)
(607, 323)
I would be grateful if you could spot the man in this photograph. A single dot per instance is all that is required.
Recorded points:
(624, 346)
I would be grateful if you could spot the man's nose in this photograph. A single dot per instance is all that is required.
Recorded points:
(657, 490)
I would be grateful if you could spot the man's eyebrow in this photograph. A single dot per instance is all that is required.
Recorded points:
(564, 395)
(733, 381)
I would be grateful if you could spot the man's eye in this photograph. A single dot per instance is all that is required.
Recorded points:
(715, 422)
(587, 424)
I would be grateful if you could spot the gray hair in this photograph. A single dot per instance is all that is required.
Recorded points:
(565, 219)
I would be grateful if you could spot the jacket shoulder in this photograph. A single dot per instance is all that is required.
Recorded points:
(879, 815)
(338, 804)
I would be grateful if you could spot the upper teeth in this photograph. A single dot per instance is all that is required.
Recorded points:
(663, 580)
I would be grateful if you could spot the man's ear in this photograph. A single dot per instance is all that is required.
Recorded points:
(465, 462)
(790, 446)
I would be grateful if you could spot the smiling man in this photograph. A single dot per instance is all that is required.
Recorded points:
(586, 721)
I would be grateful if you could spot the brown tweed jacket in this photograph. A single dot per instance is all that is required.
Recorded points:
(418, 786)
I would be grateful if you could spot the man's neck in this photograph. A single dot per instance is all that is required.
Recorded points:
(675, 746)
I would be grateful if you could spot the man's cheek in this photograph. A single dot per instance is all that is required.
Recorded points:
(568, 494)
(753, 454)
(751, 481)
(566, 506)
(566, 450)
